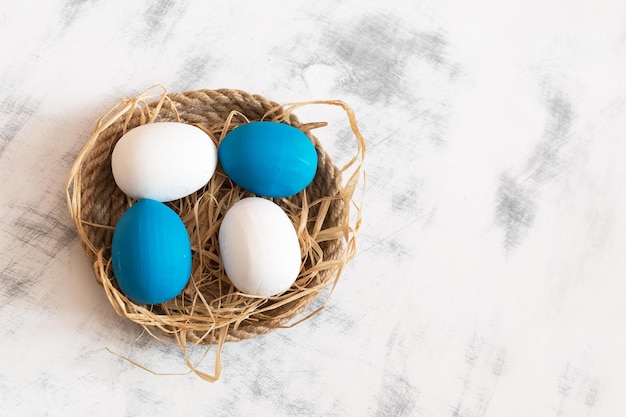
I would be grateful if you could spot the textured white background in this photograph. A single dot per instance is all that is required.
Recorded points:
(490, 279)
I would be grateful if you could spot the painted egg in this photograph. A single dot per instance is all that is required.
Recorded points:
(268, 158)
(151, 253)
(163, 161)
(259, 247)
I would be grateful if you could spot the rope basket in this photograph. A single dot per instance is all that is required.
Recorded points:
(210, 310)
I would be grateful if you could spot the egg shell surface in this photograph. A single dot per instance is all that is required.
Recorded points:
(270, 159)
(163, 161)
(259, 247)
(151, 253)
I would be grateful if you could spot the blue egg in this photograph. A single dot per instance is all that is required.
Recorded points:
(269, 159)
(151, 253)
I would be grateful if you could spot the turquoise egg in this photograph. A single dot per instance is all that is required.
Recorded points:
(269, 159)
(151, 253)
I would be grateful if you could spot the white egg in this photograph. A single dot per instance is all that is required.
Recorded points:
(259, 247)
(163, 161)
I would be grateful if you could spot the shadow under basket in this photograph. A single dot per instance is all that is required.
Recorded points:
(210, 310)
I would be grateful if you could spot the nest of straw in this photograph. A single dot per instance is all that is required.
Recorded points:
(210, 310)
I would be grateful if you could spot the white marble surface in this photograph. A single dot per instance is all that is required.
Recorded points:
(491, 276)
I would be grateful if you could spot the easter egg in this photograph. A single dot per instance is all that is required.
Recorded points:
(163, 161)
(259, 247)
(268, 158)
(151, 253)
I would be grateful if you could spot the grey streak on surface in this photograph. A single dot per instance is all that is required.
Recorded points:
(37, 237)
(46, 231)
(20, 110)
(156, 15)
(376, 61)
(578, 391)
(154, 25)
(196, 68)
(517, 192)
(398, 397)
(515, 209)
(545, 161)
(13, 282)
(485, 362)
(72, 11)
(405, 196)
